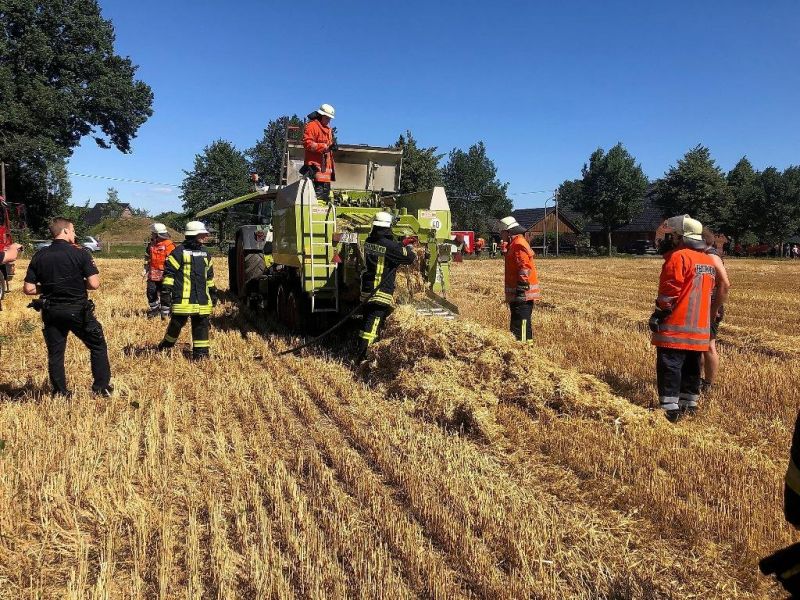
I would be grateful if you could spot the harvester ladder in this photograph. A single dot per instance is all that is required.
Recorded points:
(330, 267)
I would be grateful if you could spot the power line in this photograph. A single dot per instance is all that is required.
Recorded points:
(532, 192)
(123, 179)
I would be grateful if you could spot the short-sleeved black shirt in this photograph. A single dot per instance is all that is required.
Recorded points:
(61, 270)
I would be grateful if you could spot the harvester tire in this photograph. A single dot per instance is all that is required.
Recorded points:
(290, 307)
(233, 282)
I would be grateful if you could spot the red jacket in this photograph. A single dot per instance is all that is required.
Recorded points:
(688, 278)
(317, 140)
(522, 282)
(156, 255)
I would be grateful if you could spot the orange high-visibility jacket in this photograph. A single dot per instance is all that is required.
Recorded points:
(156, 255)
(688, 277)
(317, 139)
(522, 282)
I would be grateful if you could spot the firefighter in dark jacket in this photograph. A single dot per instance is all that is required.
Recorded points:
(189, 290)
(383, 255)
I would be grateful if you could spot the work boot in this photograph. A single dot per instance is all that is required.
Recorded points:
(705, 386)
(153, 311)
(105, 392)
(673, 415)
(164, 346)
(199, 354)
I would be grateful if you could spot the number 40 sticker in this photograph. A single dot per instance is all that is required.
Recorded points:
(436, 224)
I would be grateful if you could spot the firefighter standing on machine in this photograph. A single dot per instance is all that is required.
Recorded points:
(383, 255)
(189, 290)
(681, 323)
(522, 282)
(159, 248)
(319, 147)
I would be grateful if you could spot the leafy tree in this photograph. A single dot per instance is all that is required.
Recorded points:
(60, 80)
(420, 165)
(570, 193)
(746, 199)
(779, 215)
(473, 189)
(265, 157)
(695, 186)
(611, 191)
(113, 203)
(77, 214)
(220, 173)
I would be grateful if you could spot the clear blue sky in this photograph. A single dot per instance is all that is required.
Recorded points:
(541, 83)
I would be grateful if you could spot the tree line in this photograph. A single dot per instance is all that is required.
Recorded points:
(221, 172)
(745, 204)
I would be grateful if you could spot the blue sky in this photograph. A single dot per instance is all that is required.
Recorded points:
(541, 83)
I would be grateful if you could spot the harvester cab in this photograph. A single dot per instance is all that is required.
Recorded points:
(301, 257)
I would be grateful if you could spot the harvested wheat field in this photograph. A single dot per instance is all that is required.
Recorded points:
(461, 465)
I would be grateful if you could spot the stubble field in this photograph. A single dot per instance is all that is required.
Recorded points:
(461, 465)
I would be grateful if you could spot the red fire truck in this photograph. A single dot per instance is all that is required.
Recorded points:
(11, 215)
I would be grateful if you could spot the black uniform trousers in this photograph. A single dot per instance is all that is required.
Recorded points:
(374, 317)
(61, 319)
(201, 325)
(154, 292)
(521, 314)
(678, 374)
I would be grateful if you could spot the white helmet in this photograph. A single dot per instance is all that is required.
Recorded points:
(382, 219)
(195, 228)
(508, 223)
(326, 110)
(159, 229)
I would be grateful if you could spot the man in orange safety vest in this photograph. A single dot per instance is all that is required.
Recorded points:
(319, 147)
(681, 323)
(522, 283)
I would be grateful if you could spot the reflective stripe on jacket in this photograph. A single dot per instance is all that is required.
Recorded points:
(156, 255)
(317, 139)
(522, 282)
(383, 254)
(688, 278)
(190, 274)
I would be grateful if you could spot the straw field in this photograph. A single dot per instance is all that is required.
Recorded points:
(459, 465)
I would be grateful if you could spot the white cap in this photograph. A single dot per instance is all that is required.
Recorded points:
(195, 228)
(326, 110)
(159, 229)
(686, 227)
(382, 219)
(508, 223)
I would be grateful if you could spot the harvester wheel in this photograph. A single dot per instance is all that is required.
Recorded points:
(290, 308)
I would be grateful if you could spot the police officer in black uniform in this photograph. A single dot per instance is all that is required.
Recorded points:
(383, 255)
(62, 273)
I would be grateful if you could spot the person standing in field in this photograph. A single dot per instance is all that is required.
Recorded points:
(319, 148)
(383, 254)
(522, 282)
(159, 248)
(681, 323)
(189, 290)
(62, 273)
(710, 357)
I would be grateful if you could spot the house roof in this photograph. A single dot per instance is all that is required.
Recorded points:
(528, 217)
(100, 211)
(647, 220)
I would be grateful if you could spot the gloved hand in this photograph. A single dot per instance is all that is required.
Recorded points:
(333, 147)
(656, 318)
(784, 565)
(720, 314)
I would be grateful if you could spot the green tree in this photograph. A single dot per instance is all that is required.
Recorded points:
(475, 193)
(611, 191)
(695, 186)
(779, 214)
(265, 157)
(420, 165)
(746, 197)
(220, 173)
(44, 188)
(113, 206)
(60, 80)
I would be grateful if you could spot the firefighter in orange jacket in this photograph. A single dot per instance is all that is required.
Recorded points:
(159, 248)
(522, 283)
(319, 148)
(681, 323)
